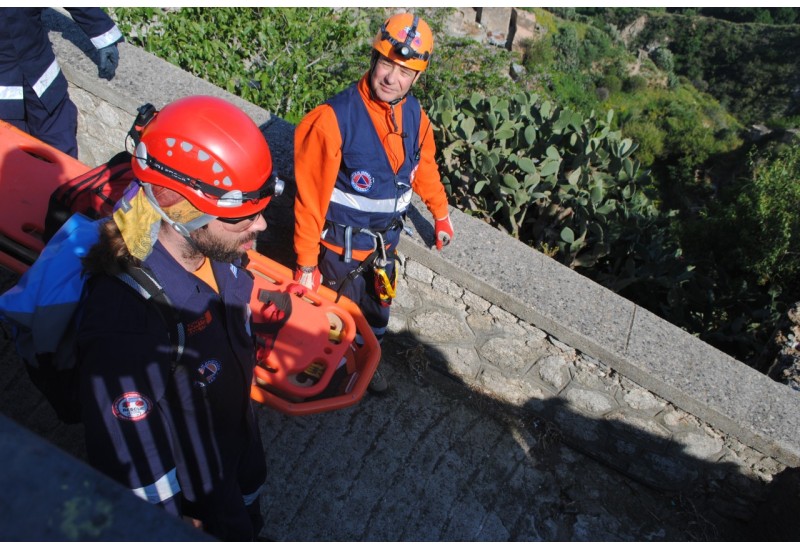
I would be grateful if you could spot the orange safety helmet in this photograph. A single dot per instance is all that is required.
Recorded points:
(207, 150)
(405, 39)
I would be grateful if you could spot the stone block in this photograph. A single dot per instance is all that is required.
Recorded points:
(497, 24)
(526, 29)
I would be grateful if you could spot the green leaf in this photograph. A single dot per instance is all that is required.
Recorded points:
(478, 136)
(467, 126)
(526, 165)
(530, 135)
(567, 235)
(532, 180)
(447, 118)
(573, 139)
(596, 194)
(549, 167)
(627, 165)
(487, 164)
(504, 133)
(574, 176)
(491, 120)
(510, 181)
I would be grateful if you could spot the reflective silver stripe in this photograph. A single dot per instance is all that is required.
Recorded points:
(380, 206)
(12, 93)
(47, 78)
(107, 38)
(164, 488)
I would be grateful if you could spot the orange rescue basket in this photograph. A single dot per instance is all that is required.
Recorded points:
(314, 364)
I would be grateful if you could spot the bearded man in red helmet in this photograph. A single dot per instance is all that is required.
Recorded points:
(358, 159)
(181, 434)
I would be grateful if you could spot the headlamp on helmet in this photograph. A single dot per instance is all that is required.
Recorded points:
(207, 150)
(405, 39)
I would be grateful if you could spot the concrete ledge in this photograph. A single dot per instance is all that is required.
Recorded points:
(664, 359)
(50, 496)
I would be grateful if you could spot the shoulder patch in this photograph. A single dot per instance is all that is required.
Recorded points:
(132, 406)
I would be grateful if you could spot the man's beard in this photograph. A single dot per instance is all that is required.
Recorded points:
(204, 244)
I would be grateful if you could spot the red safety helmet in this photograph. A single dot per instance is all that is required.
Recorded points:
(405, 39)
(207, 150)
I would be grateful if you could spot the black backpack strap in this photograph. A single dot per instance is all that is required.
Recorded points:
(146, 285)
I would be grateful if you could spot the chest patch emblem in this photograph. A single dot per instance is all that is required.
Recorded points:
(361, 181)
(132, 406)
(209, 371)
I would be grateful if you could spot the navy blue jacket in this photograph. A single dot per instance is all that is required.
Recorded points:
(26, 53)
(185, 439)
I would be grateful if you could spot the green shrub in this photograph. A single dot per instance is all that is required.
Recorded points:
(634, 84)
(269, 56)
(663, 59)
(537, 54)
(566, 46)
(650, 139)
(763, 215)
(611, 82)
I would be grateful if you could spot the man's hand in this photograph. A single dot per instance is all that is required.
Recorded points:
(109, 59)
(308, 276)
(444, 232)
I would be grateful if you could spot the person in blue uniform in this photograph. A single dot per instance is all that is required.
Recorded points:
(33, 90)
(180, 434)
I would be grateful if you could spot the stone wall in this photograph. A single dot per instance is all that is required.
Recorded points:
(590, 404)
(617, 381)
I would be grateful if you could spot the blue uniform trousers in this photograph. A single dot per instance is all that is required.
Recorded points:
(58, 129)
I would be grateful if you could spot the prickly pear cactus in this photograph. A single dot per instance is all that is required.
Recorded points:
(548, 175)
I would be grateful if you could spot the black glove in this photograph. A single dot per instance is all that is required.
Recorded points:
(109, 59)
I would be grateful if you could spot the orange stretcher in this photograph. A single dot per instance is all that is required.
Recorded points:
(321, 359)
(30, 171)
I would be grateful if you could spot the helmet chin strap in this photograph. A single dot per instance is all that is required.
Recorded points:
(184, 229)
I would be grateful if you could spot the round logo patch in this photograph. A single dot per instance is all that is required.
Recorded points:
(132, 406)
(208, 371)
(361, 181)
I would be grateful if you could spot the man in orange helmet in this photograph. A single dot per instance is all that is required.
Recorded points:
(180, 431)
(358, 159)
